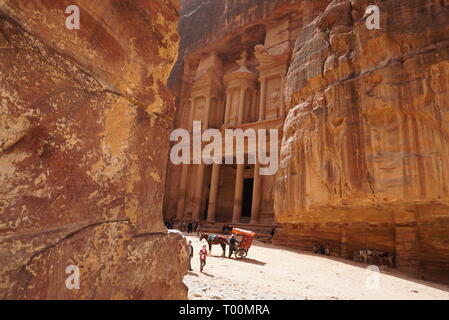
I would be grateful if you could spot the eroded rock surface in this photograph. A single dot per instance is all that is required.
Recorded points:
(85, 118)
(365, 153)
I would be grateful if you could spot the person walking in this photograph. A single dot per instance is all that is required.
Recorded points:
(190, 247)
(232, 242)
(327, 250)
(272, 233)
(189, 227)
(203, 255)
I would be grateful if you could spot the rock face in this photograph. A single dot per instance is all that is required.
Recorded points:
(365, 153)
(84, 123)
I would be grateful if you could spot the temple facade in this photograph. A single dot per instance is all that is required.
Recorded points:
(226, 85)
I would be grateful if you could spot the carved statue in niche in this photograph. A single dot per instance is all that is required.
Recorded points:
(242, 62)
(234, 112)
(199, 109)
(275, 96)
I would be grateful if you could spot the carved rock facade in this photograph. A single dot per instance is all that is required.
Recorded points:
(234, 63)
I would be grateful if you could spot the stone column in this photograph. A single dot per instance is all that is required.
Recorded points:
(207, 112)
(182, 192)
(257, 190)
(263, 94)
(237, 212)
(198, 192)
(213, 192)
(254, 103)
(228, 106)
(241, 105)
(281, 94)
(191, 115)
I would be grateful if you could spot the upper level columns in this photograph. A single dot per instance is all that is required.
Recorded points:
(205, 121)
(228, 106)
(272, 70)
(241, 109)
(263, 95)
(240, 88)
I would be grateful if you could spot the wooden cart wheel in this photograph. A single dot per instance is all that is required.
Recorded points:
(240, 254)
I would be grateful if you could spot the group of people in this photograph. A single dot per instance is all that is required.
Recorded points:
(324, 250)
(184, 226)
(226, 228)
(203, 255)
(190, 227)
(168, 224)
(203, 252)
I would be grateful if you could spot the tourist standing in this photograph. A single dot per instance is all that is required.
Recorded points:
(272, 233)
(203, 255)
(190, 247)
(232, 242)
(327, 250)
(189, 227)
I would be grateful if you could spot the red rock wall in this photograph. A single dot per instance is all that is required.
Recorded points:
(85, 118)
(365, 153)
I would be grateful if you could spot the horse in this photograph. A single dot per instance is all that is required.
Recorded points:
(216, 240)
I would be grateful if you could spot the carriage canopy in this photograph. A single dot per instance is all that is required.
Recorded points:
(247, 237)
(243, 232)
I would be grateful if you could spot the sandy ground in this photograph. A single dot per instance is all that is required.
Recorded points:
(274, 272)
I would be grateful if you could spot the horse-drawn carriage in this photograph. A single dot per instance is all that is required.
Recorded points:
(241, 249)
(242, 246)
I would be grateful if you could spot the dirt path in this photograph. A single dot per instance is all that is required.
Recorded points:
(273, 272)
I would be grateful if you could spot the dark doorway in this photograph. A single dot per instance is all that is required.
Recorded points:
(248, 185)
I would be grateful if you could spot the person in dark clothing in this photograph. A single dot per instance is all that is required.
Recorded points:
(272, 233)
(232, 242)
(190, 247)
(319, 249)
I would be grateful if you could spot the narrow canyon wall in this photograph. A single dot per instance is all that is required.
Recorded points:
(84, 122)
(365, 153)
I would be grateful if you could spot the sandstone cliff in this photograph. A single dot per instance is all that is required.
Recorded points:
(85, 118)
(365, 153)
